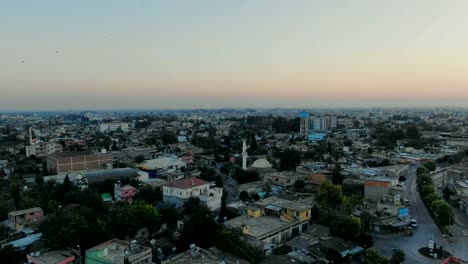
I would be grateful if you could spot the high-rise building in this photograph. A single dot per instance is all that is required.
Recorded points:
(323, 123)
(304, 125)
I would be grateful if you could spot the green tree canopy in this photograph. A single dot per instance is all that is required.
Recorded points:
(330, 195)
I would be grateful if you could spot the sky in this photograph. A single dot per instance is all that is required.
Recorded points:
(88, 54)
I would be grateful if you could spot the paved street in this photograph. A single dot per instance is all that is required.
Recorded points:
(426, 229)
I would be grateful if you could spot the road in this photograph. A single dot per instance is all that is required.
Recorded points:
(426, 230)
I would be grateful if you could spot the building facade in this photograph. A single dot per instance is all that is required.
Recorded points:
(78, 161)
(178, 192)
(22, 218)
(109, 127)
(119, 252)
(43, 149)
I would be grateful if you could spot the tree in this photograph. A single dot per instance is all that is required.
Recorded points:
(412, 132)
(330, 195)
(337, 176)
(253, 143)
(229, 240)
(201, 228)
(443, 212)
(139, 159)
(244, 196)
(125, 219)
(430, 166)
(169, 214)
(299, 184)
(374, 258)
(289, 159)
(426, 191)
(149, 194)
(8, 254)
(398, 256)
(168, 137)
(39, 180)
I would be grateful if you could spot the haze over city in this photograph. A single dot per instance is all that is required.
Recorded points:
(168, 54)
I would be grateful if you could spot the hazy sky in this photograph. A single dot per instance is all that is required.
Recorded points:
(183, 54)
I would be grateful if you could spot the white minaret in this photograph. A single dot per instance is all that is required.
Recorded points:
(244, 156)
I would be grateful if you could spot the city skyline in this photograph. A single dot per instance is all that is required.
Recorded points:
(205, 54)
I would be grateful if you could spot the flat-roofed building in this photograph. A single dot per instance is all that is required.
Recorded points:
(117, 251)
(273, 220)
(109, 127)
(22, 218)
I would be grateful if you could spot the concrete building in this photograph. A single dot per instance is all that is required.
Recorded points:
(203, 256)
(42, 149)
(117, 251)
(53, 257)
(323, 123)
(178, 192)
(273, 220)
(109, 127)
(78, 161)
(164, 164)
(375, 188)
(22, 218)
(283, 178)
(304, 125)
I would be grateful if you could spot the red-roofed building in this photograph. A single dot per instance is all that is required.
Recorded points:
(178, 192)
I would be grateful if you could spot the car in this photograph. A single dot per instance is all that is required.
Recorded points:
(413, 223)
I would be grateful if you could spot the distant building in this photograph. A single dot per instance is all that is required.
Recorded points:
(323, 123)
(78, 161)
(304, 125)
(117, 251)
(22, 218)
(200, 255)
(109, 127)
(164, 164)
(42, 149)
(178, 192)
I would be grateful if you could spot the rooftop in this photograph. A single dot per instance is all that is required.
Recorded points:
(187, 183)
(292, 205)
(115, 250)
(259, 226)
(25, 211)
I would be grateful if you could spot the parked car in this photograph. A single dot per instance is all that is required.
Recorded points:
(413, 223)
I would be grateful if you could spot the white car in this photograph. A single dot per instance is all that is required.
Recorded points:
(413, 223)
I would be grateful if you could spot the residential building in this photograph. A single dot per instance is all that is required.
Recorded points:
(42, 149)
(124, 193)
(375, 188)
(283, 178)
(178, 192)
(164, 164)
(117, 251)
(304, 125)
(53, 257)
(78, 161)
(109, 127)
(203, 256)
(22, 218)
(273, 220)
(323, 123)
